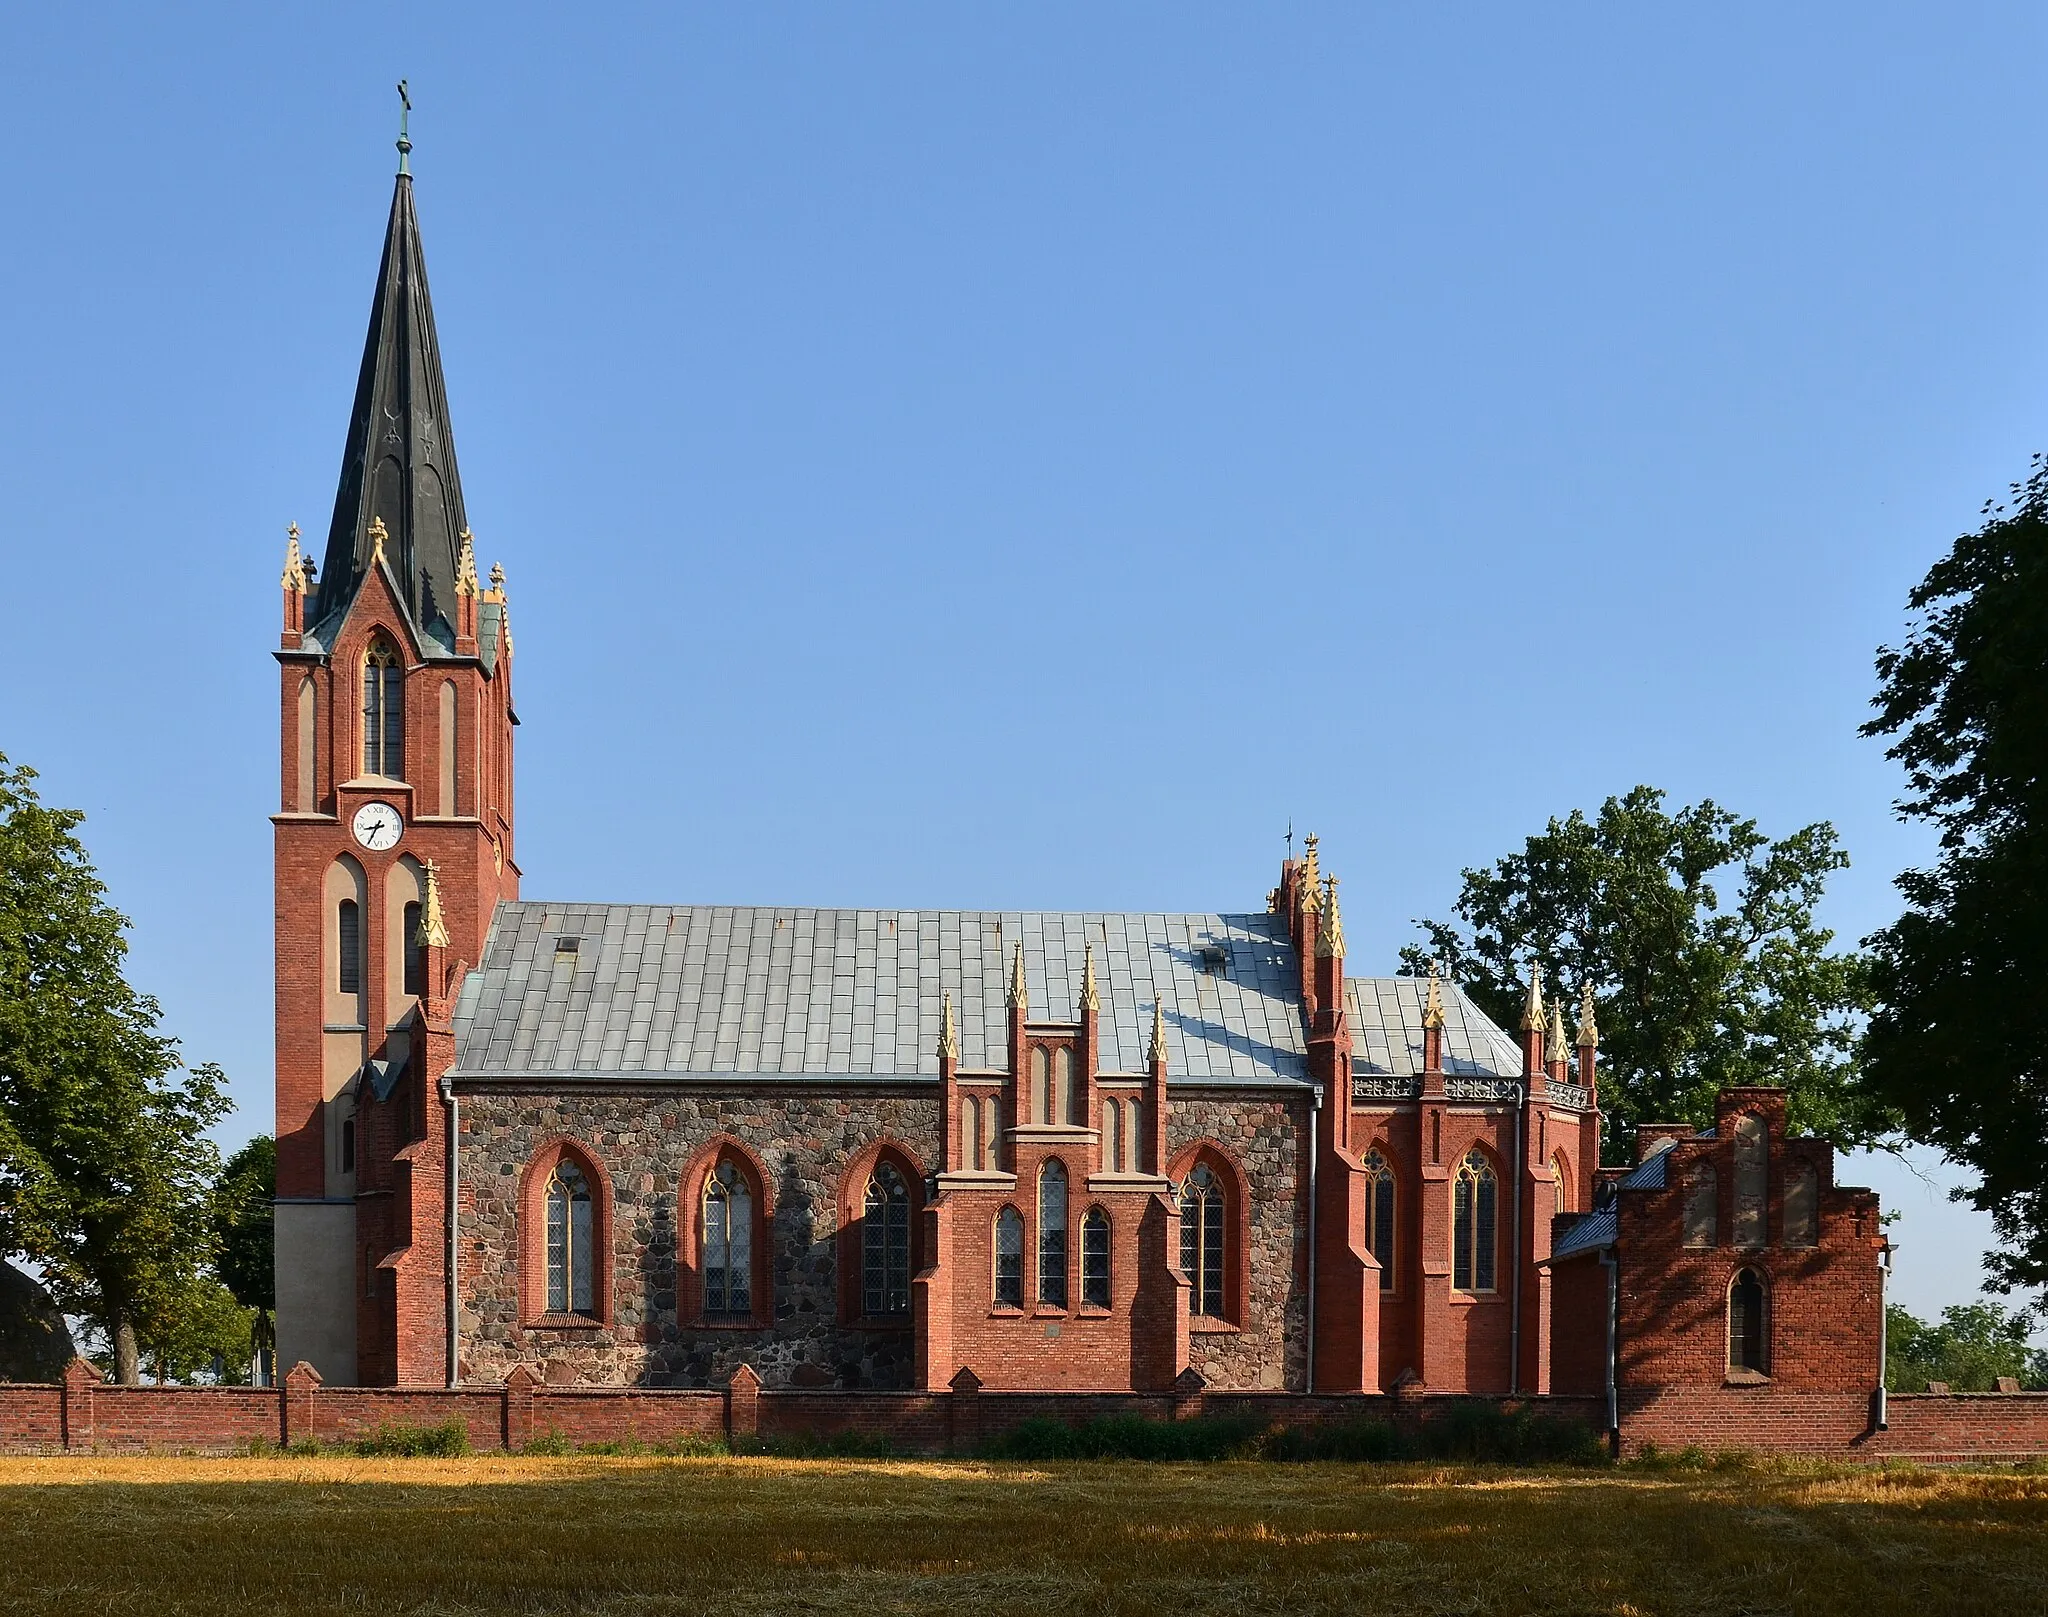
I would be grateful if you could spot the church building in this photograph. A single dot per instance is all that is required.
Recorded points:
(644, 1144)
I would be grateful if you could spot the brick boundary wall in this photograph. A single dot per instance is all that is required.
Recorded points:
(84, 1414)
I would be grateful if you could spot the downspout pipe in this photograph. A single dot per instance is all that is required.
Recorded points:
(1515, 1307)
(453, 1105)
(1613, 1268)
(1881, 1412)
(1315, 1150)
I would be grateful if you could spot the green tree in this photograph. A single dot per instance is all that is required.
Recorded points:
(206, 1334)
(106, 1173)
(243, 1228)
(1697, 935)
(1971, 1347)
(1959, 1042)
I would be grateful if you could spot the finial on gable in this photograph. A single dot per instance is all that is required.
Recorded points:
(378, 534)
(1090, 1000)
(1532, 1010)
(1433, 1002)
(465, 565)
(433, 932)
(294, 562)
(1311, 873)
(497, 590)
(1554, 1045)
(1589, 1033)
(1019, 999)
(949, 1038)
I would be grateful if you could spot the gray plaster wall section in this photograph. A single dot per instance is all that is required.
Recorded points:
(710, 990)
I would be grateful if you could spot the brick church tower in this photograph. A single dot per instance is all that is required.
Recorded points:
(393, 848)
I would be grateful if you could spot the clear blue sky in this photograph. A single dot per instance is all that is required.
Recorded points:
(1024, 456)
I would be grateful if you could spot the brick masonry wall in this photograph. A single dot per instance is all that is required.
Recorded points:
(646, 1144)
(31, 1417)
(1921, 1426)
(84, 1415)
(1268, 1140)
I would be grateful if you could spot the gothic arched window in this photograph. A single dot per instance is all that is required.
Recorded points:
(1052, 1235)
(1202, 1225)
(1009, 1266)
(1379, 1215)
(1095, 1259)
(885, 1244)
(383, 712)
(1474, 1224)
(1749, 1325)
(572, 1259)
(728, 1268)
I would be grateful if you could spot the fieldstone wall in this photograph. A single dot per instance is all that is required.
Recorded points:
(1266, 1138)
(645, 1141)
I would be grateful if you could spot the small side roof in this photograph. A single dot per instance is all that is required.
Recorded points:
(1386, 1031)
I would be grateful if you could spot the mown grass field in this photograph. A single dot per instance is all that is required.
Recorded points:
(586, 1535)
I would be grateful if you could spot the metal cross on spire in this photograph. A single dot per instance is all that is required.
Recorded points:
(404, 117)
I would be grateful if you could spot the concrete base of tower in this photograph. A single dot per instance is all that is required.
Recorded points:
(316, 1288)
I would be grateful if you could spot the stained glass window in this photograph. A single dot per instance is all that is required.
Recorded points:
(1474, 1225)
(1201, 1241)
(1052, 1235)
(1095, 1259)
(885, 1244)
(1379, 1215)
(1009, 1258)
(383, 713)
(572, 1283)
(728, 1242)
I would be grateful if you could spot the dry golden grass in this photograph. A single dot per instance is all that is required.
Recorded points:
(648, 1537)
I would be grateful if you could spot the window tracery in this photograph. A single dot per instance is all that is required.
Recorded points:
(1379, 1215)
(1203, 1224)
(885, 1244)
(1474, 1224)
(1095, 1259)
(383, 712)
(728, 1242)
(571, 1259)
(1052, 1235)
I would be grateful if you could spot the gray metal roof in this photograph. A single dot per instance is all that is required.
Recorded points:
(1590, 1234)
(682, 990)
(1386, 1031)
(1649, 1174)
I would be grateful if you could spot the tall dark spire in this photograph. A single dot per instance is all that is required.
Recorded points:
(399, 461)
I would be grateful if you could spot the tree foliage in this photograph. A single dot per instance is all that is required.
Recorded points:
(1959, 1043)
(244, 1233)
(1697, 934)
(106, 1173)
(1969, 1349)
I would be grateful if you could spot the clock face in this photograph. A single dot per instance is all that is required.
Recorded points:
(377, 826)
